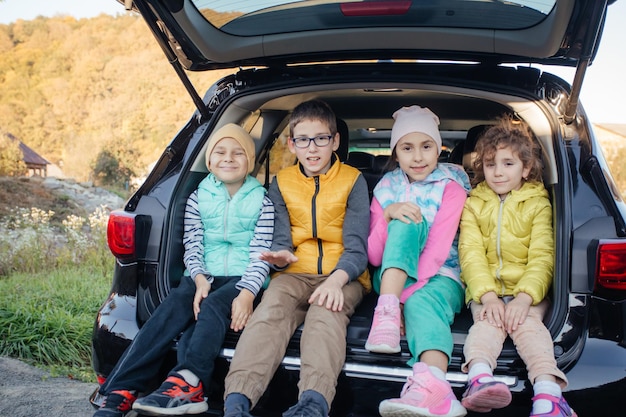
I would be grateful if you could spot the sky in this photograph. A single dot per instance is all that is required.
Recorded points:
(603, 92)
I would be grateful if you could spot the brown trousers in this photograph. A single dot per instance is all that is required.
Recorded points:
(263, 343)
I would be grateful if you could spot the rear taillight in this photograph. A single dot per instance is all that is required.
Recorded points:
(121, 234)
(611, 264)
(376, 8)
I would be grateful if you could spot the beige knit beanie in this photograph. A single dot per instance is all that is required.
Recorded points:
(236, 132)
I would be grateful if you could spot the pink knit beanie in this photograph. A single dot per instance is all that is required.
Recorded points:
(415, 119)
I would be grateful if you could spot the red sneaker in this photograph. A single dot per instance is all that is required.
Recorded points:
(118, 403)
(175, 396)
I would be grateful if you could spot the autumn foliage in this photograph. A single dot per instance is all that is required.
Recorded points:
(72, 89)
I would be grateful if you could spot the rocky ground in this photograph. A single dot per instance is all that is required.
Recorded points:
(84, 195)
(62, 196)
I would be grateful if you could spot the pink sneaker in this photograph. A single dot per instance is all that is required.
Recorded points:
(423, 395)
(482, 397)
(560, 407)
(384, 335)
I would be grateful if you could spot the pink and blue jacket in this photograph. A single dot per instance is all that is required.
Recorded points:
(441, 197)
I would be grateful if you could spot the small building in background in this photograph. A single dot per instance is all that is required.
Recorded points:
(35, 163)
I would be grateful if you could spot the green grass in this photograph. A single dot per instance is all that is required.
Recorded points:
(46, 318)
(53, 279)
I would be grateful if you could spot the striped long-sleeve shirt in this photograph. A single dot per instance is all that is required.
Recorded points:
(256, 272)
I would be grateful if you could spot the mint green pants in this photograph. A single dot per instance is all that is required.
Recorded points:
(430, 311)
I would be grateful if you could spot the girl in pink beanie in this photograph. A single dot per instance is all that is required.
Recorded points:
(415, 214)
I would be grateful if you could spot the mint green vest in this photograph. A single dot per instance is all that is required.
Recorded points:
(228, 224)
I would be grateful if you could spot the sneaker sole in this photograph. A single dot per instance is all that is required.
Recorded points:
(392, 409)
(382, 348)
(131, 413)
(192, 408)
(485, 400)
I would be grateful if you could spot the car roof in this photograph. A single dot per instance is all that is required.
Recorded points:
(212, 34)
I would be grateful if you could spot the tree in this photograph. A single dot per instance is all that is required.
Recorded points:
(11, 157)
(114, 166)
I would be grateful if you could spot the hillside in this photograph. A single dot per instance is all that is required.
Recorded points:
(75, 89)
(72, 88)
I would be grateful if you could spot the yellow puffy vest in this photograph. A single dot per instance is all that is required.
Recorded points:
(317, 207)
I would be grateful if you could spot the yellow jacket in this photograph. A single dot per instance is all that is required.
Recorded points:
(507, 246)
(317, 209)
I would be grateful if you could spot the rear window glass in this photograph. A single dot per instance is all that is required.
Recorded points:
(264, 17)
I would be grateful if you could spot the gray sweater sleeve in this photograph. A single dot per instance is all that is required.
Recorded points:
(282, 225)
(355, 230)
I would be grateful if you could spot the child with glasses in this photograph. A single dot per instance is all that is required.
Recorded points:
(320, 255)
(507, 258)
(415, 216)
(320, 141)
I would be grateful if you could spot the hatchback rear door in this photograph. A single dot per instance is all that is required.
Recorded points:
(211, 34)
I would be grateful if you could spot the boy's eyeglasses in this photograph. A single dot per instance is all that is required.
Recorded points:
(304, 142)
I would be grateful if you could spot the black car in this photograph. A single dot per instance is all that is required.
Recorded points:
(469, 62)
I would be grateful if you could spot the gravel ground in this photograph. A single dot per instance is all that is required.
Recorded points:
(27, 391)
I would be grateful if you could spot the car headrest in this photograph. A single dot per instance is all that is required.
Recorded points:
(461, 154)
(473, 134)
(344, 140)
(361, 160)
(380, 162)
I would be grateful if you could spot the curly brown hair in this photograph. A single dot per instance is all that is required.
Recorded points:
(508, 132)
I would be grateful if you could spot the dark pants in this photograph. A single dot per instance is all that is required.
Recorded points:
(199, 345)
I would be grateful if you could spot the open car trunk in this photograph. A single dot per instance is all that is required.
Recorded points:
(365, 96)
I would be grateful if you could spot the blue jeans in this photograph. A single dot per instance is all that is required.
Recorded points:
(198, 347)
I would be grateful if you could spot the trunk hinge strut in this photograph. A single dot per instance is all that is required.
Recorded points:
(161, 38)
(587, 53)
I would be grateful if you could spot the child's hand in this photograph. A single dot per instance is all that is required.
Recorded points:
(516, 311)
(492, 309)
(405, 212)
(241, 310)
(329, 293)
(281, 258)
(202, 291)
